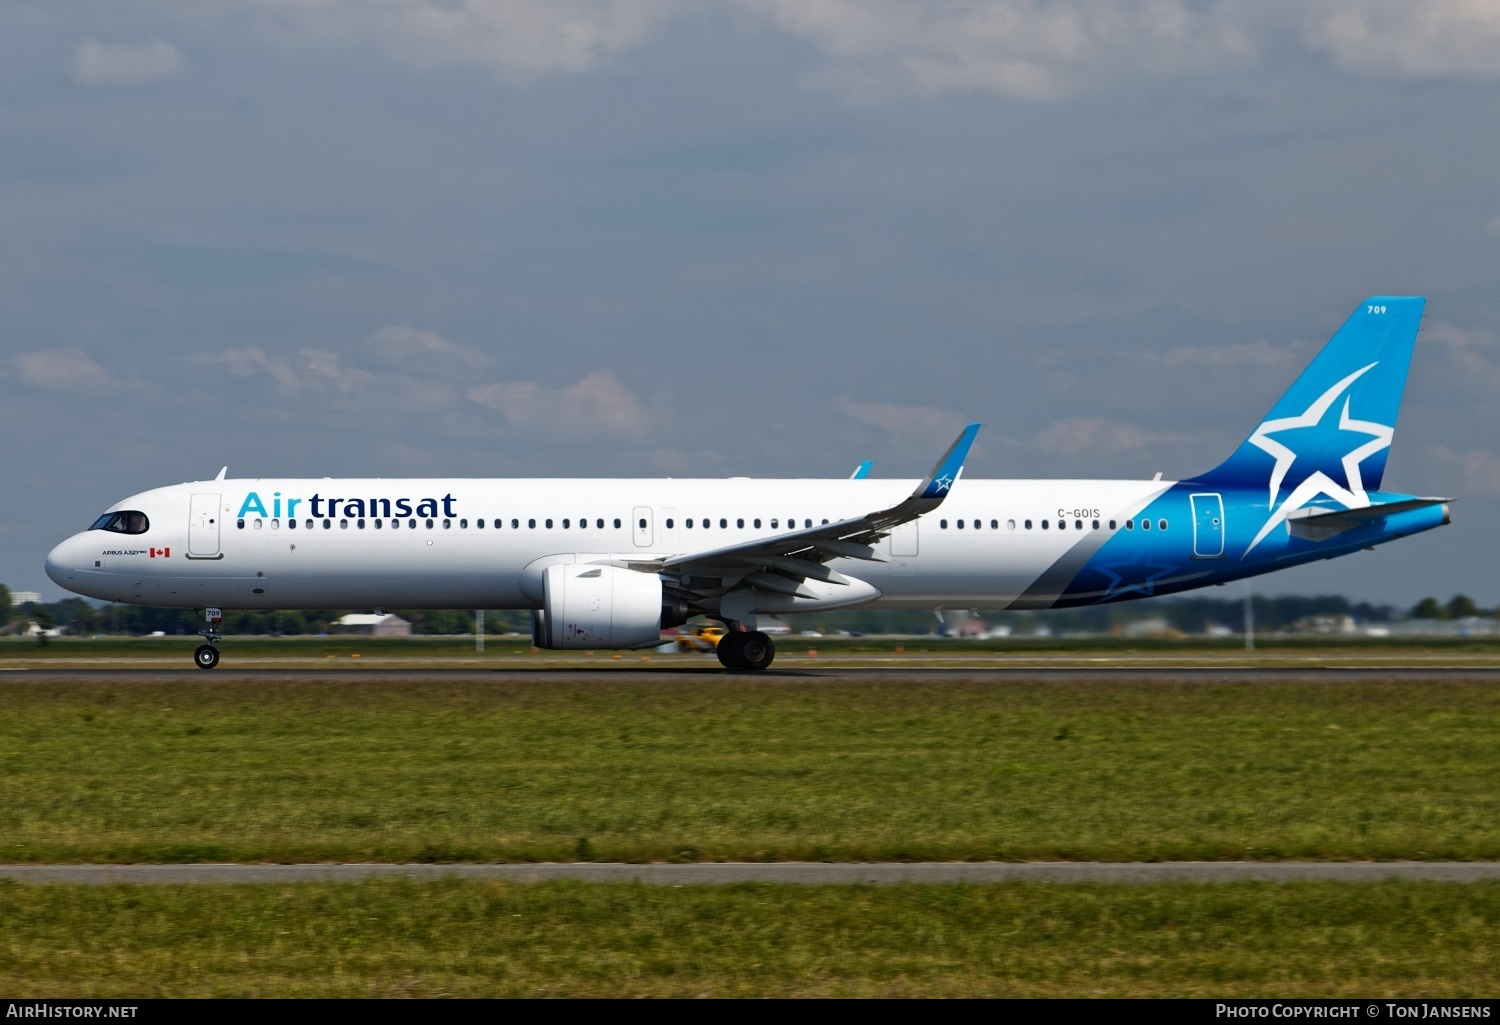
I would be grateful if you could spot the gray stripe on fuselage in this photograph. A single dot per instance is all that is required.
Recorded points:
(1047, 588)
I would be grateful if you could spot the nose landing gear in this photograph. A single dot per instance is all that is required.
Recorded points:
(207, 655)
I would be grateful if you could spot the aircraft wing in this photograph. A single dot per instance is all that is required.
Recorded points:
(781, 562)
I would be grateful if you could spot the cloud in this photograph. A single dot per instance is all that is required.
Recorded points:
(311, 371)
(428, 350)
(96, 63)
(1027, 50)
(597, 405)
(1493, 227)
(1018, 49)
(517, 38)
(1477, 470)
(1431, 39)
(1469, 357)
(1443, 332)
(68, 371)
(898, 419)
(1098, 436)
(1248, 354)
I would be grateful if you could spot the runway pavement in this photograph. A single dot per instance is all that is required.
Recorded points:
(811, 673)
(801, 873)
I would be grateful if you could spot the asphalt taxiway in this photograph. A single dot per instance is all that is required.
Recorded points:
(606, 672)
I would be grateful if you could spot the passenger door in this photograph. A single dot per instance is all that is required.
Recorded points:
(203, 527)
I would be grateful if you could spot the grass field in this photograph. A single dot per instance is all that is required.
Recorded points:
(730, 768)
(394, 938)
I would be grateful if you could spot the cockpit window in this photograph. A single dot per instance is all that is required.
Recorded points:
(125, 522)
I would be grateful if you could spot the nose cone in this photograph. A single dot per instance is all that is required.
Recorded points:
(61, 564)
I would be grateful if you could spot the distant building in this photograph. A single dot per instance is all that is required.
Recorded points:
(368, 624)
(1157, 626)
(18, 598)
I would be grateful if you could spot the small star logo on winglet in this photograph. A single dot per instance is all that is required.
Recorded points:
(943, 483)
(1318, 433)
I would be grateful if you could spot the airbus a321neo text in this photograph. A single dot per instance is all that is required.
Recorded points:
(608, 564)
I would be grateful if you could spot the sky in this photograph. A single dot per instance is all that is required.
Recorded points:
(768, 238)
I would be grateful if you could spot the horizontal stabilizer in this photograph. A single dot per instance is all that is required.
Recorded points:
(1319, 524)
(1354, 517)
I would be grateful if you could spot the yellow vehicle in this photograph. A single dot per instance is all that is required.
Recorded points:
(700, 637)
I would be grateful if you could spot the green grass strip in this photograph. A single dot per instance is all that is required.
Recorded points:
(743, 769)
(473, 939)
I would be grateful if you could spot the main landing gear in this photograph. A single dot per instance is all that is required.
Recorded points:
(740, 650)
(207, 655)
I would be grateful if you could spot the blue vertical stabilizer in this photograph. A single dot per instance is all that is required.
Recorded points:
(1333, 427)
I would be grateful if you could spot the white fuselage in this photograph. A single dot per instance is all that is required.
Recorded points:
(478, 543)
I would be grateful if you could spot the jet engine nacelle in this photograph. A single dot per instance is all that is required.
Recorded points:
(597, 607)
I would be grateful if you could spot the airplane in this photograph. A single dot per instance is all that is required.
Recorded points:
(610, 563)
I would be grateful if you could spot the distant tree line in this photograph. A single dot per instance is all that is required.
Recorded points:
(1188, 615)
(79, 616)
(1460, 606)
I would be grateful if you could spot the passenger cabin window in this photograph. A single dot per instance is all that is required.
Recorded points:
(126, 522)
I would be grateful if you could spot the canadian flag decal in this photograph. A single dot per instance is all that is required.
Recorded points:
(165, 553)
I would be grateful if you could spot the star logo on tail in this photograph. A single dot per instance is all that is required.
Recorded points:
(1312, 436)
